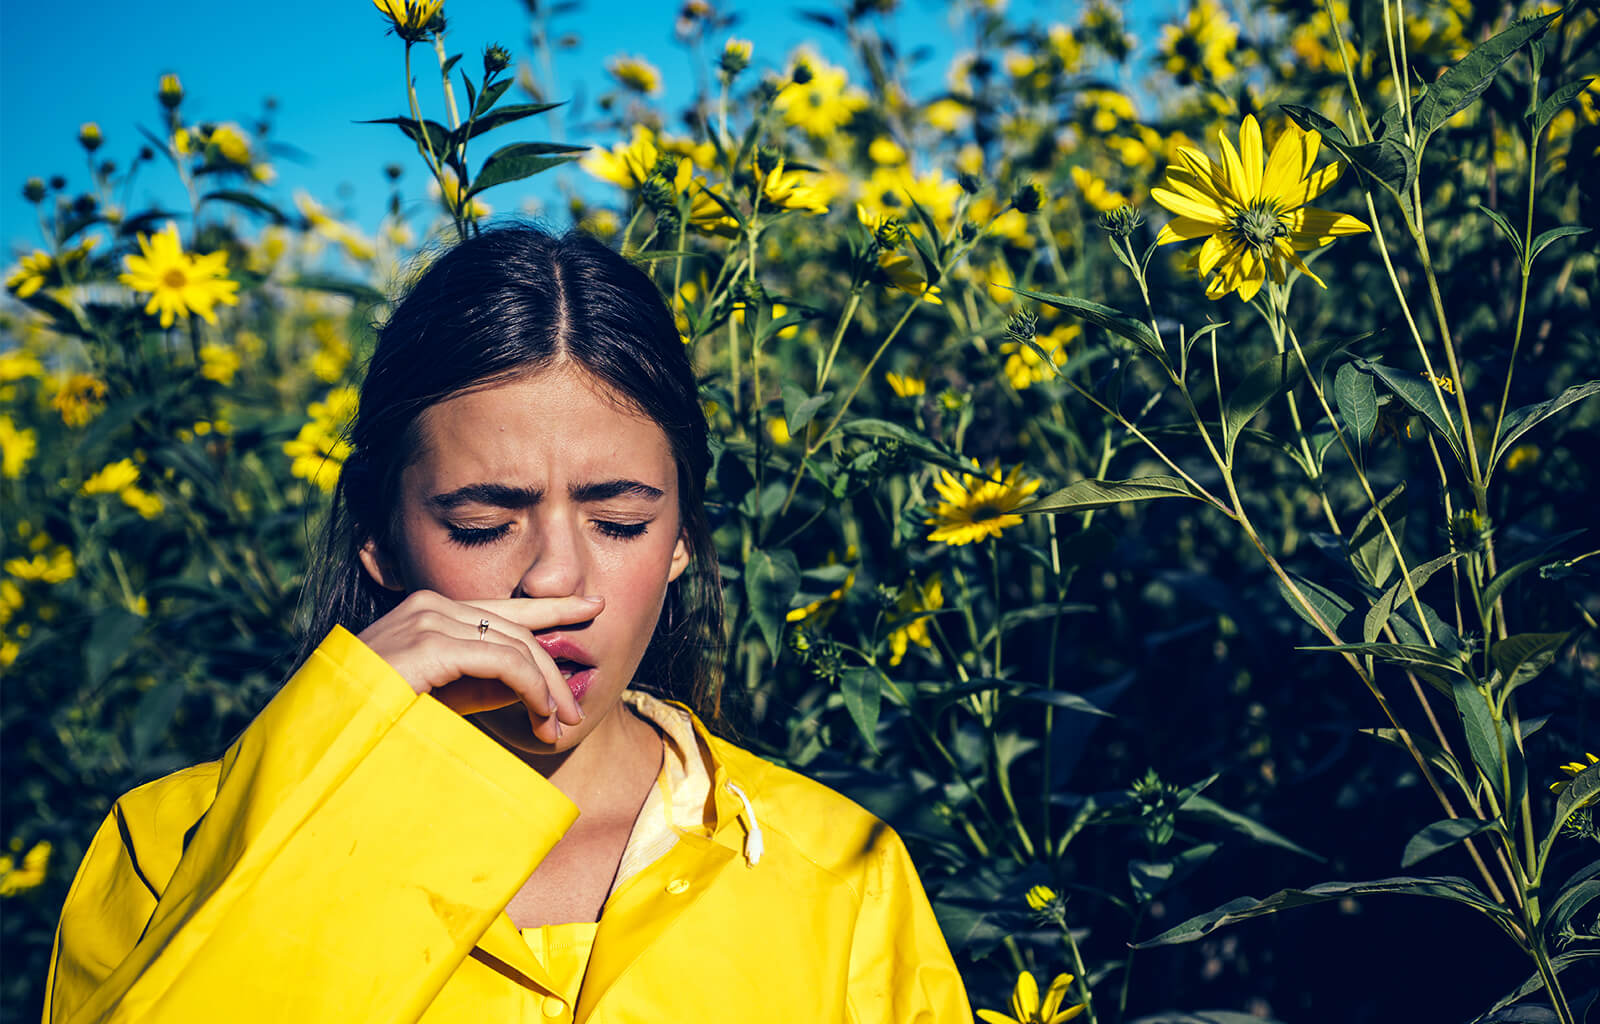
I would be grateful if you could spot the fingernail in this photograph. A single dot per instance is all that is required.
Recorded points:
(581, 715)
(558, 728)
(593, 598)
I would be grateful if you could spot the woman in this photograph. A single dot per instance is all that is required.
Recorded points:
(516, 569)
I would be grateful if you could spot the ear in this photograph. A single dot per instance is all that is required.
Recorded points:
(380, 567)
(680, 558)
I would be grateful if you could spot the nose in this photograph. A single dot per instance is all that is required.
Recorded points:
(557, 566)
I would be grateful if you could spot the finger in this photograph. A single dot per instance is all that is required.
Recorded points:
(537, 613)
(561, 703)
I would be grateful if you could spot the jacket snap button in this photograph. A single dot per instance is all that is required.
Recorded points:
(553, 1007)
(678, 886)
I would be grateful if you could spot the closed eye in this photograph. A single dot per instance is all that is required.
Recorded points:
(621, 531)
(473, 536)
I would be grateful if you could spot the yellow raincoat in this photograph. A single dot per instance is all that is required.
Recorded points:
(350, 856)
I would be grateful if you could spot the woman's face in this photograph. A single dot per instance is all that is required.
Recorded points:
(550, 485)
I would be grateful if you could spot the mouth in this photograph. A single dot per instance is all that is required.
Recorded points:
(574, 663)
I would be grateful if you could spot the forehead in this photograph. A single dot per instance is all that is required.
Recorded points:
(558, 425)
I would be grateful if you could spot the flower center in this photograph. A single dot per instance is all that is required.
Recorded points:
(1258, 224)
(985, 512)
(174, 278)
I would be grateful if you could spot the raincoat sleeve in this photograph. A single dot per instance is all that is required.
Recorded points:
(901, 970)
(359, 841)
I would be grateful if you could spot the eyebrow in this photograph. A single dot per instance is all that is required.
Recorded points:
(509, 497)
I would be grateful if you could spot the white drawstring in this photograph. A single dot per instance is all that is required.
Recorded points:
(752, 836)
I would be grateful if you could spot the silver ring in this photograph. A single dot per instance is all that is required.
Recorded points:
(483, 628)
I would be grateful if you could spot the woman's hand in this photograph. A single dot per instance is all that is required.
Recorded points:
(436, 645)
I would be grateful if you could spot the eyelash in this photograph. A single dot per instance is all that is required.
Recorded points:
(471, 537)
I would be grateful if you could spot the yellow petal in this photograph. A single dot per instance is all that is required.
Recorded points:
(1186, 207)
(1300, 264)
(1311, 228)
(1286, 166)
(1252, 273)
(1181, 229)
(1211, 254)
(1250, 150)
(1025, 997)
(1233, 170)
(1314, 184)
(989, 1016)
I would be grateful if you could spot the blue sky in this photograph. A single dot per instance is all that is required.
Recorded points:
(329, 64)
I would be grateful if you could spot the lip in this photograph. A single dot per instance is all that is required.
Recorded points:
(562, 649)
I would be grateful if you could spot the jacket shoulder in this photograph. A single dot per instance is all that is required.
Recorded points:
(155, 819)
(820, 824)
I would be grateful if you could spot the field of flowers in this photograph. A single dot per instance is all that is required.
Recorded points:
(1149, 472)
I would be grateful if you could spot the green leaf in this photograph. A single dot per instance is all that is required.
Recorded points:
(1457, 890)
(1536, 981)
(1553, 235)
(1371, 554)
(1387, 162)
(1562, 909)
(521, 160)
(248, 201)
(1505, 229)
(804, 411)
(1520, 421)
(1272, 377)
(505, 115)
(1552, 104)
(1113, 320)
(110, 636)
(1328, 604)
(1383, 607)
(1417, 392)
(490, 96)
(1056, 698)
(1203, 808)
(1485, 736)
(1583, 790)
(438, 135)
(924, 448)
(1432, 752)
(1521, 657)
(1357, 398)
(153, 715)
(1461, 84)
(1087, 494)
(771, 579)
(1150, 879)
(862, 689)
(360, 292)
(1400, 654)
(1439, 836)
(1540, 557)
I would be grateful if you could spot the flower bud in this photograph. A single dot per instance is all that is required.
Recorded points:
(496, 59)
(33, 190)
(1028, 198)
(57, 183)
(1121, 221)
(735, 57)
(970, 183)
(171, 91)
(1023, 326)
(969, 231)
(393, 171)
(89, 136)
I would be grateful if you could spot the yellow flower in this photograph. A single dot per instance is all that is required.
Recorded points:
(409, 17)
(1001, 220)
(179, 283)
(914, 602)
(79, 399)
(141, 501)
(904, 273)
(807, 611)
(40, 268)
(906, 387)
(1096, 192)
(1251, 211)
(636, 74)
(56, 567)
(450, 195)
(228, 144)
(219, 363)
(355, 244)
(19, 364)
(1026, 1007)
(319, 449)
(1024, 366)
(30, 875)
(788, 190)
(1040, 896)
(113, 478)
(946, 115)
(1198, 50)
(1573, 770)
(976, 507)
(885, 151)
(17, 446)
(625, 165)
(823, 104)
